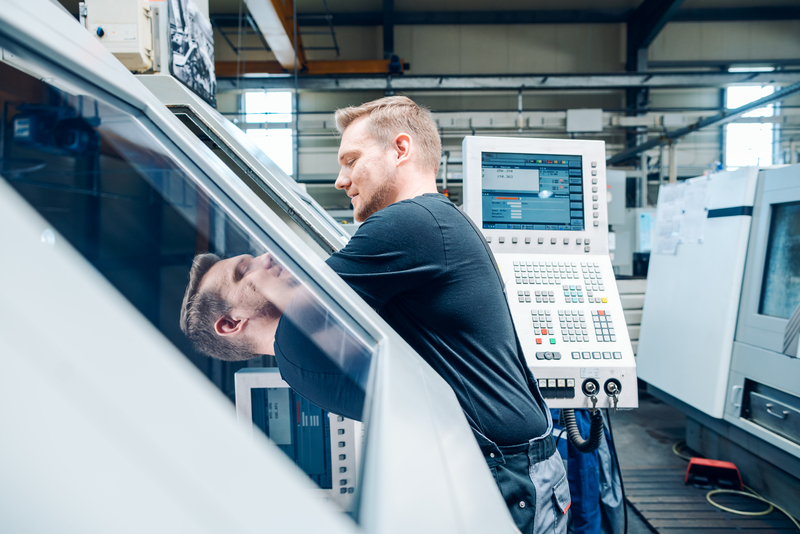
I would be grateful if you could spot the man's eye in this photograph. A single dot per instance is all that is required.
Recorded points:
(351, 162)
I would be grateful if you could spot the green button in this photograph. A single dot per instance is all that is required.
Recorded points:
(552, 341)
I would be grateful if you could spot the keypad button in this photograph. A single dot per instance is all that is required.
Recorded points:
(514, 239)
(527, 240)
(596, 355)
(541, 240)
(501, 239)
(540, 355)
(553, 240)
(617, 355)
(576, 355)
(606, 355)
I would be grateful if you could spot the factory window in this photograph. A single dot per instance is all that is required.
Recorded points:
(265, 107)
(749, 143)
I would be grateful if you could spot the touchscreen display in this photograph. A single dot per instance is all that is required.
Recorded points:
(532, 191)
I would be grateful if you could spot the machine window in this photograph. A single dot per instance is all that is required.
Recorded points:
(532, 191)
(780, 290)
(126, 199)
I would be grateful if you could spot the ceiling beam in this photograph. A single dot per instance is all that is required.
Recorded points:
(548, 16)
(532, 82)
(717, 120)
(644, 24)
(230, 69)
(274, 21)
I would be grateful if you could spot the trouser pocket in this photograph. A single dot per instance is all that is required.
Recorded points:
(552, 495)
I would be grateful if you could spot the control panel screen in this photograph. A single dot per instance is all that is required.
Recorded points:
(532, 191)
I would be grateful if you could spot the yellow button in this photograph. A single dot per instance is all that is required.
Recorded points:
(605, 300)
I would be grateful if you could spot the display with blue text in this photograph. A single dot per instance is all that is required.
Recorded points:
(532, 191)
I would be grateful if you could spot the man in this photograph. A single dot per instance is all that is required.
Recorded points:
(421, 263)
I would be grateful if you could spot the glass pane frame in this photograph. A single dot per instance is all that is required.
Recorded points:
(263, 171)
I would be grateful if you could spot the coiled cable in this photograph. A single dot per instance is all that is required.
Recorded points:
(567, 420)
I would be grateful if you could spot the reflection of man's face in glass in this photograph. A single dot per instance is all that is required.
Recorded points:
(257, 290)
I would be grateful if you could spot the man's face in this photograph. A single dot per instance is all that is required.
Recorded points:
(253, 287)
(367, 170)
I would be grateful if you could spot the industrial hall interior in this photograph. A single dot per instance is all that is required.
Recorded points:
(395, 266)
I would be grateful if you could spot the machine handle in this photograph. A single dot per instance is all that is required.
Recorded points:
(736, 396)
(780, 416)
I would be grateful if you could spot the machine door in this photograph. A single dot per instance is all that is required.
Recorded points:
(771, 289)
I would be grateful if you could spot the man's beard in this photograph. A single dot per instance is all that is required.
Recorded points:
(376, 202)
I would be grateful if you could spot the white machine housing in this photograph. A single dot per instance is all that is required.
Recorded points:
(564, 356)
(684, 346)
(763, 388)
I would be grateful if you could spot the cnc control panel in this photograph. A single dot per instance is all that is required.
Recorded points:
(541, 204)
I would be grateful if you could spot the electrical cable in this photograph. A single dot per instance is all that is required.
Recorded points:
(679, 445)
(559, 436)
(567, 421)
(613, 447)
(751, 496)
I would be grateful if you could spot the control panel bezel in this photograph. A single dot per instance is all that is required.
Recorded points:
(542, 241)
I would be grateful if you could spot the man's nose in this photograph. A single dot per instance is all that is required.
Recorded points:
(342, 181)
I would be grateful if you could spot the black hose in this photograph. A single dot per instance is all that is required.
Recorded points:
(567, 420)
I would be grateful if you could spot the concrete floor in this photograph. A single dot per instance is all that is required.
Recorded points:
(644, 438)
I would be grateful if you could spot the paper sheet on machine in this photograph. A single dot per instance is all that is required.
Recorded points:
(681, 214)
(668, 218)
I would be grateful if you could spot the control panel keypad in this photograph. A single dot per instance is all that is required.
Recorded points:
(543, 328)
(593, 280)
(574, 327)
(545, 272)
(603, 326)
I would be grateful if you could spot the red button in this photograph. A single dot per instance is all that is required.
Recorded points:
(544, 331)
(601, 312)
(538, 341)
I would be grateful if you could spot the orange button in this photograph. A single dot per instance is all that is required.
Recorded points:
(601, 312)
(538, 341)
(544, 331)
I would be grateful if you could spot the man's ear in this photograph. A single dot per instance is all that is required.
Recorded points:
(402, 148)
(227, 325)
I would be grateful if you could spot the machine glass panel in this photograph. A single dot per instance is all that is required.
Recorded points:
(780, 289)
(532, 191)
(139, 212)
(227, 140)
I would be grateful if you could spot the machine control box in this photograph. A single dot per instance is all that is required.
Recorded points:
(541, 204)
(326, 446)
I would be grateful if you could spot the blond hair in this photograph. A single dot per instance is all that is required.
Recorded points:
(394, 115)
(200, 311)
